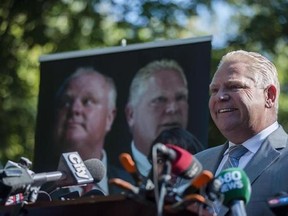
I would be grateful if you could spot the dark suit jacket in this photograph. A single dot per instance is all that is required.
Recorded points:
(267, 170)
(116, 172)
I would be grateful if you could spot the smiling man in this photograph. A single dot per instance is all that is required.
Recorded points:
(244, 105)
(157, 101)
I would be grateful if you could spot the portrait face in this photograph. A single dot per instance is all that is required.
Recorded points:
(84, 117)
(237, 105)
(162, 105)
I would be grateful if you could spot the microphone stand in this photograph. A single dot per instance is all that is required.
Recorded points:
(238, 208)
(165, 178)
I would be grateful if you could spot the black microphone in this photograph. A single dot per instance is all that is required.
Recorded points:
(183, 162)
(213, 190)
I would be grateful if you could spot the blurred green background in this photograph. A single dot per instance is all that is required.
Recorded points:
(31, 28)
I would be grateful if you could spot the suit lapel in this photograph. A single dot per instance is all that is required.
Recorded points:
(218, 156)
(264, 157)
(267, 154)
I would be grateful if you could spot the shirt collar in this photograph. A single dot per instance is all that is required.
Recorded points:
(103, 184)
(254, 143)
(142, 162)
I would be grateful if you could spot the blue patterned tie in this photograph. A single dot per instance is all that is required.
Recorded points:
(234, 155)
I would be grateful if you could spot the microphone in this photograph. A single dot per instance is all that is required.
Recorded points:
(129, 165)
(183, 163)
(71, 171)
(212, 190)
(17, 178)
(185, 202)
(279, 203)
(236, 189)
(199, 182)
(124, 185)
(94, 166)
(192, 200)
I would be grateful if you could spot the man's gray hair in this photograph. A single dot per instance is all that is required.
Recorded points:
(112, 95)
(265, 72)
(139, 82)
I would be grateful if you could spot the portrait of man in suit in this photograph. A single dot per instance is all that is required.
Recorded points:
(85, 111)
(158, 100)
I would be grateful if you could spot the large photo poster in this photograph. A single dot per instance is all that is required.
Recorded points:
(62, 90)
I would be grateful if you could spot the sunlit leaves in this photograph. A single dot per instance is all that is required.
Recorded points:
(29, 29)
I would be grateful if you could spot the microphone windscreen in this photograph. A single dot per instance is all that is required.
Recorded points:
(124, 184)
(199, 182)
(127, 162)
(202, 179)
(185, 164)
(96, 169)
(235, 185)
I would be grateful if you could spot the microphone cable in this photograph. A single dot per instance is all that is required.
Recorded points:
(160, 194)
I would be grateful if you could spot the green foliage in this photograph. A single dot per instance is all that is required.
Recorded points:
(265, 30)
(262, 27)
(30, 28)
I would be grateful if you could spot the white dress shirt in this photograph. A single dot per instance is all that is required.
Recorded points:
(252, 144)
(141, 160)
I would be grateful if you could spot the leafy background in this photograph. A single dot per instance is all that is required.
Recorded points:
(31, 28)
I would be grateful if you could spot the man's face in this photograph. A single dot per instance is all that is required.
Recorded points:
(237, 105)
(163, 105)
(83, 116)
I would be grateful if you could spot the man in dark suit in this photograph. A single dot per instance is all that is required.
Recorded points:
(158, 100)
(86, 108)
(244, 105)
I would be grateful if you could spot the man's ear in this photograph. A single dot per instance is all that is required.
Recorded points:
(129, 112)
(110, 119)
(270, 96)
